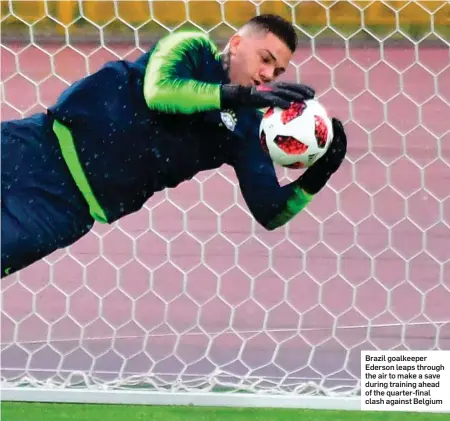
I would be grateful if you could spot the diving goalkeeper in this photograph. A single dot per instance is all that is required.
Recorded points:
(131, 129)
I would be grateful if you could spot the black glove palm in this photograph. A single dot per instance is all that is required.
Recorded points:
(276, 94)
(315, 177)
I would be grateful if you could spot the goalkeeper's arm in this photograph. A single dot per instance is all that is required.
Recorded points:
(273, 205)
(180, 63)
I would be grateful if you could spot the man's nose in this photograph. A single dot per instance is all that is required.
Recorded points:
(267, 74)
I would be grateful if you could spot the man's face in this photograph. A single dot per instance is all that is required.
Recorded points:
(257, 57)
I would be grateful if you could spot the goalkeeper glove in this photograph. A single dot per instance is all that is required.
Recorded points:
(315, 177)
(275, 94)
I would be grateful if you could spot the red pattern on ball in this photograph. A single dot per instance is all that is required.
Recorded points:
(269, 112)
(291, 145)
(264, 143)
(321, 131)
(295, 166)
(295, 110)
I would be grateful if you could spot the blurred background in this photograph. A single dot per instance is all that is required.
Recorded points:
(125, 20)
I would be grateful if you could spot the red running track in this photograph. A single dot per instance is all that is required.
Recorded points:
(163, 292)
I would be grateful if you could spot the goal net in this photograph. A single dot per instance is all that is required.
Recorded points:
(190, 294)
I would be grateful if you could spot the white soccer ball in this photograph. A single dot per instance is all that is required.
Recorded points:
(298, 136)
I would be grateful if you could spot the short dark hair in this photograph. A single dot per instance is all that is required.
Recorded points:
(278, 26)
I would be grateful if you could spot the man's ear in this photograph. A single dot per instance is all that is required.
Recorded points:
(235, 40)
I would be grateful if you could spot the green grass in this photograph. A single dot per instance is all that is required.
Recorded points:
(18, 411)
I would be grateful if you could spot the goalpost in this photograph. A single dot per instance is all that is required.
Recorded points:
(189, 301)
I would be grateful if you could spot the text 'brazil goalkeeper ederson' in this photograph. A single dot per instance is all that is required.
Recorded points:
(131, 129)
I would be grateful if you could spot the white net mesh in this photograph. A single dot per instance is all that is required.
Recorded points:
(190, 293)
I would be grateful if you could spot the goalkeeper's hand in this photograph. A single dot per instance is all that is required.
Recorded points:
(315, 177)
(275, 94)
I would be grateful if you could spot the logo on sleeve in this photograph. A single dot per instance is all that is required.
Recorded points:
(229, 119)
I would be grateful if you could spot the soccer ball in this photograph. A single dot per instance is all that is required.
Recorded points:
(298, 136)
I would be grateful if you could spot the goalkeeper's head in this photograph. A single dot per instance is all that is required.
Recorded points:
(261, 50)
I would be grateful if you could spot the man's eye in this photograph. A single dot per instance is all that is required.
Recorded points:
(266, 60)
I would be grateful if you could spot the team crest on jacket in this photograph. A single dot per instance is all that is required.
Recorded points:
(229, 119)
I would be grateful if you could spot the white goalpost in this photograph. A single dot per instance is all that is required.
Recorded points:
(190, 301)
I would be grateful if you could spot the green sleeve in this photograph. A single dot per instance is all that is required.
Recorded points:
(294, 205)
(169, 84)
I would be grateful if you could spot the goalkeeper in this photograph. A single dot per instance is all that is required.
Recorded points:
(131, 129)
